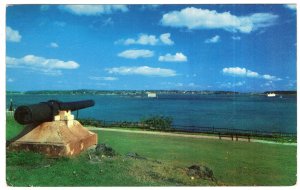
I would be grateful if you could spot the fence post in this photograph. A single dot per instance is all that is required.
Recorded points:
(236, 137)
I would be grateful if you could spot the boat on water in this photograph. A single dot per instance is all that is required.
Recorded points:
(271, 95)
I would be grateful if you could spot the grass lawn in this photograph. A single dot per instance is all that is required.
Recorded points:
(233, 163)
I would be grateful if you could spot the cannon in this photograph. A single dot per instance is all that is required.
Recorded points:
(45, 111)
(52, 130)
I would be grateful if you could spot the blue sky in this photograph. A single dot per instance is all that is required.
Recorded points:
(243, 48)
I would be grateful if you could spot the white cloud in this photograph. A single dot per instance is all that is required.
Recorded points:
(93, 10)
(291, 6)
(233, 85)
(197, 18)
(134, 54)
(40, 64)
(143, 70)
(165, 38)
(12, 35)
(178, 57)
(145, 39)
(54, 45)
(252, 74)
(214, 39)
(270, 77)
(237, 71)
(243, 72)
(236, 37)
(104, 78)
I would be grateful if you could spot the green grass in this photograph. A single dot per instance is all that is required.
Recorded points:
(233, 163)
(277, 139)
(12, 127)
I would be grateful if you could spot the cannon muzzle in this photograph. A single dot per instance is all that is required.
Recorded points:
(45, 111)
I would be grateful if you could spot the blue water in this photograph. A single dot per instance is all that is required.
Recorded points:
(227, 111)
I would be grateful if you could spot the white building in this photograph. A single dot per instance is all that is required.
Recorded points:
(151, 95)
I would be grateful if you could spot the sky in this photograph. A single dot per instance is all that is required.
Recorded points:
(245, 48)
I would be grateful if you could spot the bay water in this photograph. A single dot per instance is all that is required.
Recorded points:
(251, 112)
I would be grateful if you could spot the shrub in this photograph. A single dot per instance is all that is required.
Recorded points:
(91, 122)
(157, 123)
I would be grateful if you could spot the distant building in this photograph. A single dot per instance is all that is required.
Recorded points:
(271, 95)
(151, 95)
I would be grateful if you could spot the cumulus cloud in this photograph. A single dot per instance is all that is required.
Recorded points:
(213, 40)
(178, 57)
(243, 72)
(143, 70)
(54, 45)
(40, 64)
(93, 10)
(197, 18)
(12, 35)
(291, 6)
(165, 38)
(252, 74)
(145, 39)
(136, 53)
(270, 77)
(103, 78)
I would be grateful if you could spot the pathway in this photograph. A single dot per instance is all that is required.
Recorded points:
(184, 135)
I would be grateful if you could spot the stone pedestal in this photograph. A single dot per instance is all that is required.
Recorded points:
(62, 137)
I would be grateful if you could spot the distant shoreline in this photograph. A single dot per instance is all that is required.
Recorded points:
(142, 92)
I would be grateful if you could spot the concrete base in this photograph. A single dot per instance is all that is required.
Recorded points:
(56, 138)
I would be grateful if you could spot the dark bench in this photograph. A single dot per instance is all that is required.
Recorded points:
(234, 136)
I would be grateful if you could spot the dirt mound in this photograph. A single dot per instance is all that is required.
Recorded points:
(200, 171)
(104, 150)
(135, 156)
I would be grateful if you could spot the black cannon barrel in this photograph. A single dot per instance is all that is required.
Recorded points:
(76, 105)
(45, 111)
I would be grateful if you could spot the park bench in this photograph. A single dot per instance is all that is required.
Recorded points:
(235, 136)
